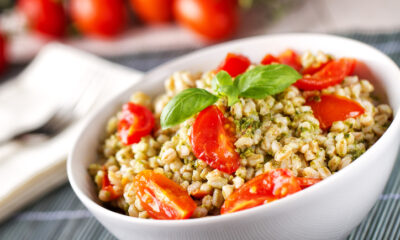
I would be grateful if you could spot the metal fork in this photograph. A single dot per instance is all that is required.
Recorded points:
(66, 114)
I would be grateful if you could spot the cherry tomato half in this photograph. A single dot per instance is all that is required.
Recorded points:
(45, 16)
(314, 68)
(100, 18)
(288, 57)
(331, 108)
(135, 122)
(153, 11)
(307, 182)
(213, 140)
(199, 194)
(212, 19)
(269, 59)
(107, 186)
(234, 64)
(331, 74)
(161, 197)
(262, 189)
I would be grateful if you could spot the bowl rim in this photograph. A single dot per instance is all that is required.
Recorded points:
(277, 205)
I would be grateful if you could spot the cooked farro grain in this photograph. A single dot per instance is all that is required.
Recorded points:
(275, 132)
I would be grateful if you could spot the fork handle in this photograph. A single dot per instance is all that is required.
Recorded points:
(15, 137)
(21, 135)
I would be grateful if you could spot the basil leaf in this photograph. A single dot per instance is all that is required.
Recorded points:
(232, 92)
(184, 105)
(221, 79)
(222, 84)
(263, 81)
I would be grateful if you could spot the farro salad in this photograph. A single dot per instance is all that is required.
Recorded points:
(238, 136)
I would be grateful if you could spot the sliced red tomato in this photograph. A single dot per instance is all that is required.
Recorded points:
(314, 68)
(290, 58)
(331, 74)
(161, 197)
(331, 108)
(213, 140)
(269, 59)
(45, 16)
(314, 77)
(107, 186)
(234, 64)
(262, 189)
(307, 182)
(135, 122)
(199, 194)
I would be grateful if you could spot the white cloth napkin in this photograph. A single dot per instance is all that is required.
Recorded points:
(27, 171)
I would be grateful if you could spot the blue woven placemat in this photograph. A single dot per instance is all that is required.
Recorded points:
(60, 215)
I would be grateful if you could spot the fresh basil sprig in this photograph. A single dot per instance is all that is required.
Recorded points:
(263, 81)
(184, 105)
(257, 83)
(222, 84)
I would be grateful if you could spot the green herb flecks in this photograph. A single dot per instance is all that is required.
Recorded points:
(246, 126)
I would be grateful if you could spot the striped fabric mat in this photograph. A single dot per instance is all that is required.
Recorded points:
(60, 215)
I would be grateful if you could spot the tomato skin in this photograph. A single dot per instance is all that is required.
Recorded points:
(3, 53)
(153, 11)
(99, 18)
(314, 69)
(161, 197)
(212, 19)
(307, 182)
(199, 194)
(47, 17)
(331, 74)
(266, 187)
(314, 77)
(269, 59)
(331, 108)
(135, 122)
(290, 58)
(212, 140)
(234, 64)
(107, 186)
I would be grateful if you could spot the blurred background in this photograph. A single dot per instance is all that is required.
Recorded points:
(137, 35)
(123, 28)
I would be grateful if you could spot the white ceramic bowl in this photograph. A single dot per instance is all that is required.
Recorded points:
(328, 210)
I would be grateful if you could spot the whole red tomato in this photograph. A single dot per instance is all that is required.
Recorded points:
(212, 19)
(45, 16)
(3, 55)
(100, 18)
(153, 11)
